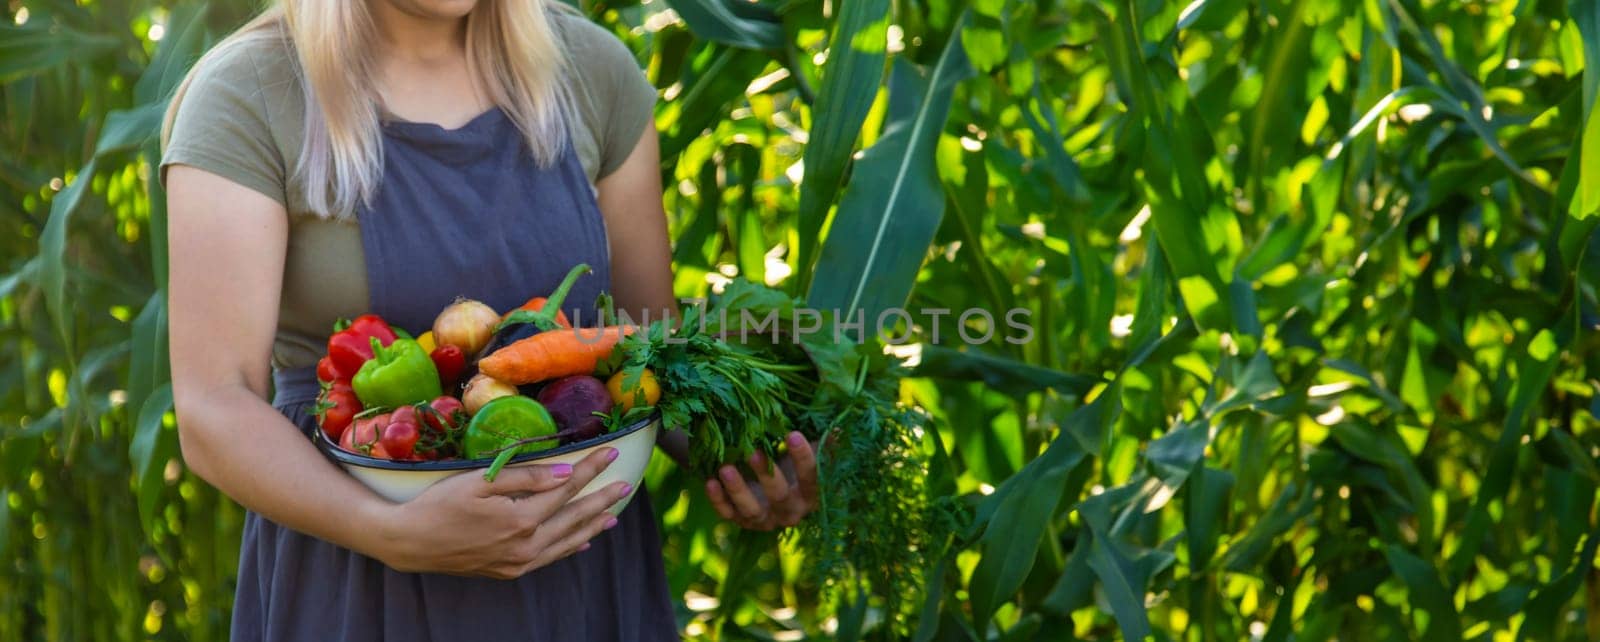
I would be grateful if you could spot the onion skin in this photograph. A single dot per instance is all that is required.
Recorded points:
(465, 324)
(483, 389)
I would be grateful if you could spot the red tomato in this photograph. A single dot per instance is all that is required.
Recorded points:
(406, 414)
(365, 434)
(336, 410)
(399, 439)
(327, 372)
(447, 412)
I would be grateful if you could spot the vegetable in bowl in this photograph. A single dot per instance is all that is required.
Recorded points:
(400, 481)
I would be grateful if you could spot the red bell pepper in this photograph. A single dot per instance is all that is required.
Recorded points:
(351, 344)
(450, 361)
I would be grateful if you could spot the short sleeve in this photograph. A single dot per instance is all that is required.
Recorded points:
(223, 126)
(621, 100)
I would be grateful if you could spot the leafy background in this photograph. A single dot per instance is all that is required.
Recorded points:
(1311, 283)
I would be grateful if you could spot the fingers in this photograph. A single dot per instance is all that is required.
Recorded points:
(521, 481)
(773, 483)
(544, 505)
(748, 506)
(527, 480)
(587, 469)
(573, 515)
(578, 539)
(719, 500)
(805, 468)
(566, 532)
(571, 528)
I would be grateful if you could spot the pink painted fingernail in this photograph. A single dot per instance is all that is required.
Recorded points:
(625, 489)
(756, 459)
(729, 473)
(583, 547)
(796, 439)
(561, 471)
(610, 522)
(611, 454)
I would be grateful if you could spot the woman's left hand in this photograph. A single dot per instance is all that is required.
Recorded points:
(782, 495)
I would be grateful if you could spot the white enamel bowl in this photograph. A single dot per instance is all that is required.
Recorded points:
(400, 481)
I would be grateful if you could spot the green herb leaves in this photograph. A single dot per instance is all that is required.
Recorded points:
(739, 375)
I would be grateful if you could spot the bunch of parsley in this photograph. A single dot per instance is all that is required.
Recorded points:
(737, 382)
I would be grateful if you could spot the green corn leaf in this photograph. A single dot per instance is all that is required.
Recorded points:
(893, 204)
(928, 619)
(153, 444)
(5, 522)
(1016, 515)
(1587, 17)
(1282, 628)
(22, 276)
(999, 373)
(1251, 384)
(1544, 611)
(1291, 506)
(128, 130)
(745, 163)
(1285, 56)
(1121, 578)
(30, 49)
(1173, 456)
(1025, 630)
(1210, 492)
(1586, 202)
(708, 96)
(857, 52)
(1075, 588)
(1011, 540)
(148, 366)
(1427, 593)
(1534, 371)
(186, 34)
(157, 195)
(736, 24)
(53, 250)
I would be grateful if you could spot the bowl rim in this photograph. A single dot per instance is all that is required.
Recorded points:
(352, 459)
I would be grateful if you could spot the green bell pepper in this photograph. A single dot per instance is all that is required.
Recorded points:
(397, 375)
(506, 427)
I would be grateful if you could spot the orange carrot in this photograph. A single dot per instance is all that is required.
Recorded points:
(536, 304)
(551, 354)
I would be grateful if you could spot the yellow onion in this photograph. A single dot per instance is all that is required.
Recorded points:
(465, 324)
(483, 389)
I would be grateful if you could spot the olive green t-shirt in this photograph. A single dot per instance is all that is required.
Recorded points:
(243, 116)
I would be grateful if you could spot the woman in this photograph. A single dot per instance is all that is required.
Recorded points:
(335, 157)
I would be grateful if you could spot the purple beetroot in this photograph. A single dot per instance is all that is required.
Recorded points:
(572, 401)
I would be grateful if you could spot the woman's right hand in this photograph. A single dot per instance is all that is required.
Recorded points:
(520, 522)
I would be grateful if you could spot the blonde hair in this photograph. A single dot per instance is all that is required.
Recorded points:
(512, 48)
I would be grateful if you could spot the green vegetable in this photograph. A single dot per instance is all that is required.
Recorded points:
(878, 522)
(399, 374)
(506, 427)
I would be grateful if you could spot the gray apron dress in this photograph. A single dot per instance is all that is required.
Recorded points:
(463, 212)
